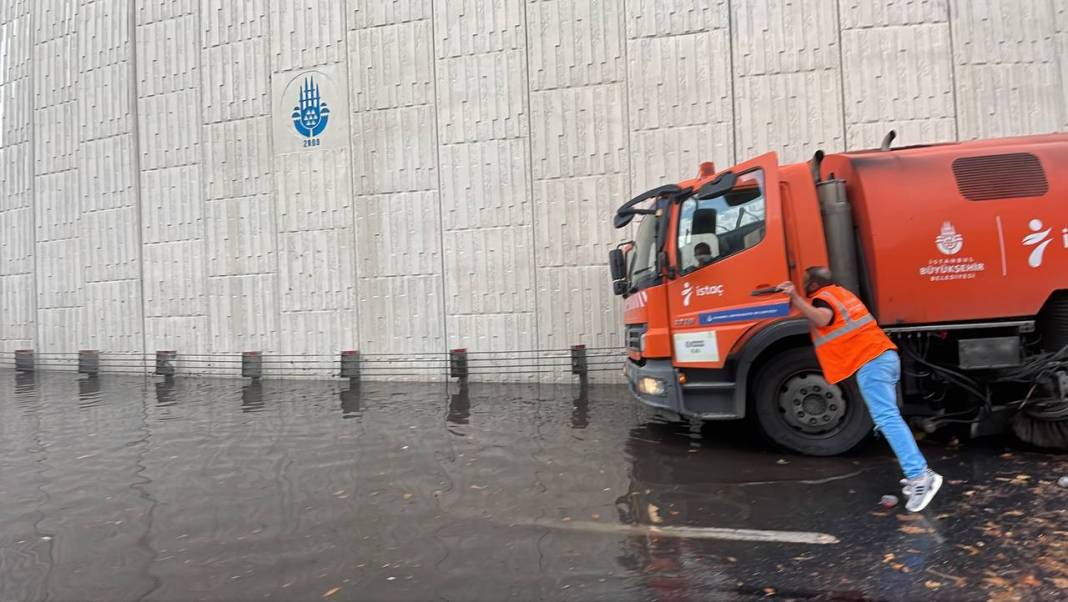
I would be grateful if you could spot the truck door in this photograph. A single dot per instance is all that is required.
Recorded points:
(725, 247)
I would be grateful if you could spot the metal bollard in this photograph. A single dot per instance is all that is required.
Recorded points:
(579, 365)
(89, 362)
(350, 365)
(24, 360)
(252, 365)
(165, 362)
(458, 364)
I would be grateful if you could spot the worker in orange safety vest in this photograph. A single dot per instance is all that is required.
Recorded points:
(850, 343)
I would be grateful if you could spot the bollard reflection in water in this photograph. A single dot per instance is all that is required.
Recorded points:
(89, 391)
(350, 400)
(459, 406)
(580, 407)
(252, 397)
(165, 392)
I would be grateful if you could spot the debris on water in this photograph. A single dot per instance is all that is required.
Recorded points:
(1063, 482)
(888, 501)
(782, 461)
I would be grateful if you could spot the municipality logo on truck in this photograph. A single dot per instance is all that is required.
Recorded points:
(950, 266)
(1040, 238)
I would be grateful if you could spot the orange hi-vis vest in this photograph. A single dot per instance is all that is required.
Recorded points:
(852, 339)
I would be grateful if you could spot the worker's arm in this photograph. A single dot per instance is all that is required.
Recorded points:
(818, 316)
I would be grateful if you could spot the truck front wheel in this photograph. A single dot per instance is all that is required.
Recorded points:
(797, 409)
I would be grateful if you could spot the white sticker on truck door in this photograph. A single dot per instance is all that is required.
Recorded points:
(696, 347)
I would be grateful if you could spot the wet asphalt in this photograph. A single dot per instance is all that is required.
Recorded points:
(132, 488)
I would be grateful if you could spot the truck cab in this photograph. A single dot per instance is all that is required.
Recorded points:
(708, 338)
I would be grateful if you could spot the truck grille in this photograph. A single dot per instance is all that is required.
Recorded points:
(633, 335)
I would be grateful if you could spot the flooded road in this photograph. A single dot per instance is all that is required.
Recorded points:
(132, 488)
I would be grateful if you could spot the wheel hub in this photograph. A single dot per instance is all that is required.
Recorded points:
(811, 405)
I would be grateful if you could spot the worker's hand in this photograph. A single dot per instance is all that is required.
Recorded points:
(788, 288)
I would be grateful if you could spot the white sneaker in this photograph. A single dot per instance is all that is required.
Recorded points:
(906, 487)
(922, 489)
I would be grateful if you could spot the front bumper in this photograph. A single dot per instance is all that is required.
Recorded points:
(707, 396)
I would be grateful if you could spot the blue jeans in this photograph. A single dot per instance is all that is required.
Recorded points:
(878, 384)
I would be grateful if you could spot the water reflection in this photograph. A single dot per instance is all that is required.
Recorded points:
(350, 401)
(165, 392)
(89, 392)
(459, 407)
(580, 408)
(25, 383)
(252, 397)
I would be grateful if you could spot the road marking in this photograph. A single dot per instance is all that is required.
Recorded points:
(758, 535)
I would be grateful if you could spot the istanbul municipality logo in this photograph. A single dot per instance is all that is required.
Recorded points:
(311, 114)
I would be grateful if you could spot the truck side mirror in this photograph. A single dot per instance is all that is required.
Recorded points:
(617, 263)
(619, 287)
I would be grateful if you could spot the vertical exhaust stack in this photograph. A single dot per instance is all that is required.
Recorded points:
(837, 227)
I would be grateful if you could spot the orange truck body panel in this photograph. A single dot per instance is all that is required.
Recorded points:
(939, 242)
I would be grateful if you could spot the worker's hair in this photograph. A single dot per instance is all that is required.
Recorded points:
(817, 277)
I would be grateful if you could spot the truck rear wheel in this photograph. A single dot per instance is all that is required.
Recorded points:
(797, 409)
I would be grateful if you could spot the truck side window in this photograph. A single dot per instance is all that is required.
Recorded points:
(712, 229)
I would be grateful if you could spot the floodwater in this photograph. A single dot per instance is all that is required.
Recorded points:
(132, 488)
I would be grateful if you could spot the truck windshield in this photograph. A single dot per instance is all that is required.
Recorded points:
(643, 257)
(712, 229)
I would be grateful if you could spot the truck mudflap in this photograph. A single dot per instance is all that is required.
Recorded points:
(656, 384)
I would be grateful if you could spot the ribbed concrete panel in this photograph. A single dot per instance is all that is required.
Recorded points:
(648, 18)
(56, 205)
(477, 26)
(14, 94)
(316, 272)
(53, 18)
(487, 271)
(171, 209)
(18, 37)
(167, 56)
(483, 185)
(240, 155)
(55, 133)
(186, 334)
(109, 245)
(104, 104)
(16, 244)
(793, 113)
(579, 131)
(784, 36)
(305, 33)
(494, 332)
(225, 21)
(1008, 68)
(570, 228)
(160, 10)
(669, 87)
(391, 66)
(667, 155)
(16, 177)
(899, 74)
(241, 236)
(61, 329)
(398, 235)
(313, 191)
(575, 43)
(244, 313)
(235, 80)
(481, 97)
(401, 315)
(169, 135)
(373, 13)
(56, 74)
(104, 33)
(317, 333)
(394, 150)
(175, 282)
(857, 14)
(113, 315)
(60, 260)
(576, 307)
(17, 323)
(106, 174)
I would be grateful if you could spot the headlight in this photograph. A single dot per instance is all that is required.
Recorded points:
(641, 344)
(651, 386)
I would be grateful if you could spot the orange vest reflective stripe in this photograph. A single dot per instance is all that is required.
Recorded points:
(852, 339)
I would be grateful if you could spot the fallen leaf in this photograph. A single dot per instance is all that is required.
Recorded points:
(1013, 513)
(769, 591)
(595, 516)
(332, 592)
(1030, 581)
(932, 584)
(407, 496)
(912, 530)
